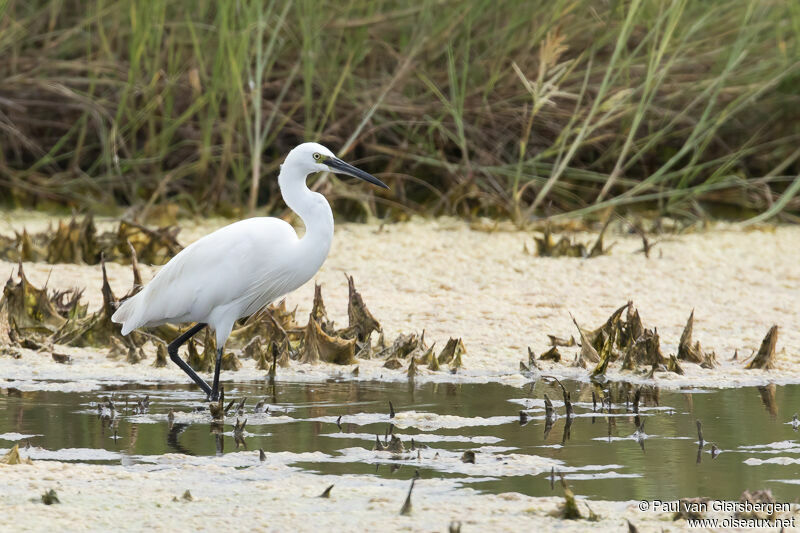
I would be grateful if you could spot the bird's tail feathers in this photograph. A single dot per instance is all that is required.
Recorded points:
(126, 315)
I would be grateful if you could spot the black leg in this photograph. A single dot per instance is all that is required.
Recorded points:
(215, 388)
(172, 349)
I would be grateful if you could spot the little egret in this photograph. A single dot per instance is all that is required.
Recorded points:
(240, 268)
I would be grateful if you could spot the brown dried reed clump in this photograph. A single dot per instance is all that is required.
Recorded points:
(321, 341)
(624, 339)
(79, 242)
(38, 320)
(548, 246)
(14, 458)
(765, 358)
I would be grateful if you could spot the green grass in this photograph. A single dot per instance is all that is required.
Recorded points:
(488, 107)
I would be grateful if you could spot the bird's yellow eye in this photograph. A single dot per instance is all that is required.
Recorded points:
(317, 156)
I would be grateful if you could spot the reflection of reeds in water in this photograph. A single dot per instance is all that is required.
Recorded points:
(767, 393)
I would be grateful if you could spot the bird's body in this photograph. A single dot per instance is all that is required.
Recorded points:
(240, 268)
(261, 260)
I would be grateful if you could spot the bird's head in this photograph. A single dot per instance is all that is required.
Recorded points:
(313, 157)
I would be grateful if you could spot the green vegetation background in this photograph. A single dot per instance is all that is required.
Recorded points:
(503, 108)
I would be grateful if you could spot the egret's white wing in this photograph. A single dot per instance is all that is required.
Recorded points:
(231, 266)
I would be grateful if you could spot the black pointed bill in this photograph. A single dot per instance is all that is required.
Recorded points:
(339, 166)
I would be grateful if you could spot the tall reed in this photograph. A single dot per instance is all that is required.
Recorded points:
(481, 107)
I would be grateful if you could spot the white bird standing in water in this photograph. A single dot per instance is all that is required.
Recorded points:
(240, 268)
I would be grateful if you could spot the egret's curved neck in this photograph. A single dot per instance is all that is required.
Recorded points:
(312, 208)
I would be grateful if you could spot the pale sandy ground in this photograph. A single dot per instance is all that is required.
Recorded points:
(236, 492)
(442, 277)
(451, 281)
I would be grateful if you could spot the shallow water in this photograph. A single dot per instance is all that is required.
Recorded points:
(599, 454)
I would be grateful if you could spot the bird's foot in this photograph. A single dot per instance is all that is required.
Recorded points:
(217, 394)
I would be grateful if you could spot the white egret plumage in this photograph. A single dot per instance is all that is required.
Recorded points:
(240, 268)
